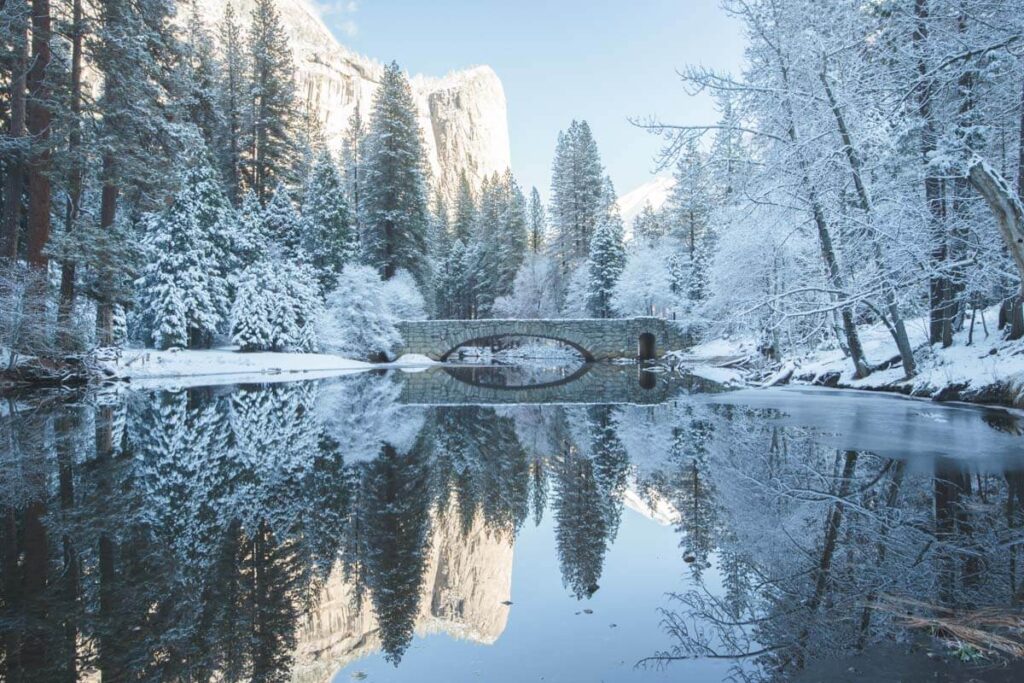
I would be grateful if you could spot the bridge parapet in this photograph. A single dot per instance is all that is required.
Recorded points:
(595, 338)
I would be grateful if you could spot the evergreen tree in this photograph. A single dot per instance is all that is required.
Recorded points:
(648, 226)
(538, 222)
(201, 73)
(352, 153)
(394, 201)
(276, 307)
(282, 223)
(184, 290)
(253, 240)
(690, 202)
(270, 148)
(329, 235)
(232, 95)
(576, 190)
(465, 211)
(607, 259)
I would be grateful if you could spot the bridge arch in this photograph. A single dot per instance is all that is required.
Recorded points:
(587, 356)
(597, 339)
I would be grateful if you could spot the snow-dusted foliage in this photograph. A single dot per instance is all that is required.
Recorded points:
(358, 322)
(576, 294)
(329, 235)
(276, 308)
(606, 259)
(393, 204)
(645, 285)
(183, 289)
(534, 290)
(403, 297)
(282, 223)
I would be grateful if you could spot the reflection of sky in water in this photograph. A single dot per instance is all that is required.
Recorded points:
(548, 637)
(785, 503)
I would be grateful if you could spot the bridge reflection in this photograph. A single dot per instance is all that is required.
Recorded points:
(589, 383)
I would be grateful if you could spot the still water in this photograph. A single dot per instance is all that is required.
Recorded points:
(502, 525)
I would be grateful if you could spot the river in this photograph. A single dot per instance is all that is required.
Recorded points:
(497, 524)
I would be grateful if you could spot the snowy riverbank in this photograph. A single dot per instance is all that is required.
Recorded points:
(987, 370)
(149, 368)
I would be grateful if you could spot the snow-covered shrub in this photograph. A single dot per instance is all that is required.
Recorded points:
(276, 308)
(358, 322)
(534, 291)
(576, 292)
(403, 297)
(645, 285)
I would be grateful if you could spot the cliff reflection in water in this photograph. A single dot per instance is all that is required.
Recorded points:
(284, 531)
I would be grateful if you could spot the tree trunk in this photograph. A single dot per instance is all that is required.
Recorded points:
(38, 118)
(13, 183)
(1009, 212)
(66, 306)
(828, 252)
(938, 285)
(898, 329)
(108, 212)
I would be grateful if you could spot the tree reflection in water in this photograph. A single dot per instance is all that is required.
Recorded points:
(188, 535)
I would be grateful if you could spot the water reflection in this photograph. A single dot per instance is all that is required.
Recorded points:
(266, 532)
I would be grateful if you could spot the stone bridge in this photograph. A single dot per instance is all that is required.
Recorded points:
(595, 338)
(600, 383)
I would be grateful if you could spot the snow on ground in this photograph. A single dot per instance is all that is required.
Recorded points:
(724, 376)
(989, 370)
(150, 368)
(413, 362)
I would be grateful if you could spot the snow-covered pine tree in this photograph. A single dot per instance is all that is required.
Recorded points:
(607, 257)
(690, 203)
(648, 226)
(465, 211)
(270, 148)
(201, 75)
(253, 240)
(576, 189)
(232, 96)
(394, 201)
(282, 223)
(538, 222)
(328, 232)
(277, 307)
(352, 153)
(183, 288)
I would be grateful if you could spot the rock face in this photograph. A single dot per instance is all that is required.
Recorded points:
(462, 115)
(467, 580)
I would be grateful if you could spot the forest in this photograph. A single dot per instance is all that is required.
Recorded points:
(165, 185)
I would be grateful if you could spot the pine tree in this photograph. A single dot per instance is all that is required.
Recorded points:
(607, 258)
(576, 190)
(253, 240)
(270, 147)
(648, 226)
(538, 222)
(276, 308)
(282, 223)
(465, 211)
(328, 232)
(184, 291)
(394, 201)
(690, 203)
(201, 73)
(352, 153)
(232, 100)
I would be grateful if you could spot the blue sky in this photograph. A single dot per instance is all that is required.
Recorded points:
(558, 60)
